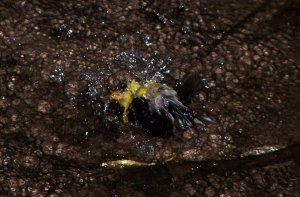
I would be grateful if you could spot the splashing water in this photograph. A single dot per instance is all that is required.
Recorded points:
(153, 68)
(58, 75)
(97, 88)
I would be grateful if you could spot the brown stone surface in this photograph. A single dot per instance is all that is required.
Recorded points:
(59, 61)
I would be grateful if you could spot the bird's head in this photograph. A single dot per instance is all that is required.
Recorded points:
(133, 89)
(116, 95)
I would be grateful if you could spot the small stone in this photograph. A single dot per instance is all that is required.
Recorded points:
(247, 60)
(190, 154)
(190, 189)
(72, 88)
(219, 70)
(201, 96)
(29, 161)
(189, 134)
(16, 101)
(14, 117)
(186, 29)
(47, 148)
(44, 106)
(209, 191)
(167, 155)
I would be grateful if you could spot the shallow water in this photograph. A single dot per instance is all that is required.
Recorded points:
(59, 62)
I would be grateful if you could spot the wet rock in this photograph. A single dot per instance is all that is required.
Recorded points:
(59, 63)
(209, 191)
(44, 106)
(190, 189)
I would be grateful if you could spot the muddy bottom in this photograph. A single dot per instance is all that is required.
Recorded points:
(62, 135)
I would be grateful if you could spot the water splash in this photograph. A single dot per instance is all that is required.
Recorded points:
(186, 29)
(147, 39)
(58, 75)
(97, 88)
(122, 38)
(153, 68)
(184, 42)
(161, 17)
(127, 59)
(145, 147)
(64, 32)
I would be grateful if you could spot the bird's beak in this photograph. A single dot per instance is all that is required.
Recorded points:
(116, 95)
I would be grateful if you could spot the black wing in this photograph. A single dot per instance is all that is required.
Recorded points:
(158, 125)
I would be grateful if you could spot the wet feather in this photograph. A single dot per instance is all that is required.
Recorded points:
(156, 108)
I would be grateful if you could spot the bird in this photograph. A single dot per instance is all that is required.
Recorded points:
(155, 107)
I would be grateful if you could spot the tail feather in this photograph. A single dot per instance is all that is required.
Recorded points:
(187, 117)
(183, 114)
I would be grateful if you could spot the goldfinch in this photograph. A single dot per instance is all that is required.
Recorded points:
(155, 107)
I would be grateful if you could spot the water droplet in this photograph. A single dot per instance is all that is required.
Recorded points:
(183, 42)
(122, 38)
(58, 75)
(205, 84)
(89, 153)
(63, 32)
(173, 21)
(186, 29)
(145, 147)
(161, 17)
(182, 6)
(127, 59)
(69, 33)
(92, 92)
(158, 77)
(147, 39)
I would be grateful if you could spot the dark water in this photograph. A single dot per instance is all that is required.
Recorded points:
(59, 61)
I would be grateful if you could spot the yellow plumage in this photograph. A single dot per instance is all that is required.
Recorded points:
(133, 90)
(155, 107)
